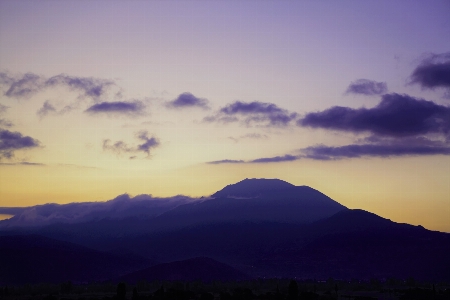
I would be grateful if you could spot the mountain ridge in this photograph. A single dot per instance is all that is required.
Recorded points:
(278, 229)
(204, 269)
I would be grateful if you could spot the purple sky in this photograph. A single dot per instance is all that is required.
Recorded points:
(183, 97)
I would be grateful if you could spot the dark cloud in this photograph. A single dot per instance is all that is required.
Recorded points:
(120, 147)
(372, 146)
(27, 85)
(396, 115)
(148, 142)
(286, 157)
(367, 87)
(225, 161)
(380, 148)
(253, 113)
(188, 100)
(433, 72)
(384, 150)
(130, 108)
(12, 141)
(239, 107)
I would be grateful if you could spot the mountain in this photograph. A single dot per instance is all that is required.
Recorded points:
(264, 228)
(198, 268)
(349, 244)
(251, 200)
(252, 188)
(37, 259)
(254, 200)
(359, 244)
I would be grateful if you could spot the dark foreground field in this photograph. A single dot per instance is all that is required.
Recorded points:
(264, 289)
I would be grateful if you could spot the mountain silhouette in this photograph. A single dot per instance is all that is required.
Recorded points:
(198, 268)
(359, 244)
(255, 200)
(251, 200)
(36, 259)
(261, 227)
(252, 188)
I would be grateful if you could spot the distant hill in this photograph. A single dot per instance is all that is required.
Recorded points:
(359, 244)
(199, 268)
(36, 259)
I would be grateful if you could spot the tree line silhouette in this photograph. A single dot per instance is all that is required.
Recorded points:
(271, 289)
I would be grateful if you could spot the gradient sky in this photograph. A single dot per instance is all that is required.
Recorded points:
(100, 98)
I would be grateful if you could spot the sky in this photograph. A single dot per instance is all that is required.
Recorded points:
(352, 98)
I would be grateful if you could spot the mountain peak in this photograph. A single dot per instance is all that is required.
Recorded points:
(252, 187)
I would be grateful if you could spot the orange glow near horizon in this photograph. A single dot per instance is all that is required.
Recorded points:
(402, 194)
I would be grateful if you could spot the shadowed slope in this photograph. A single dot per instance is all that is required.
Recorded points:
(200, 268)
(35, 259)
(256, 200)
(360, 244)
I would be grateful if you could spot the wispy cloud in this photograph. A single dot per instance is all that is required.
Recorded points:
(121, 207)
(187, 100)
(4, 122)
(23, 163)
(128, 108)
(46, 109)
(253, 113)
(372, 146)
(5, 79)
(225, 161)
(283, 158)
(379, 148)
(29, 84)
(121, 147)
(87, 86)
(254, 136)
(3, 109)
(13, 141)
(367, 87)
(49, 109)
(275, 159)
(25, 86)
